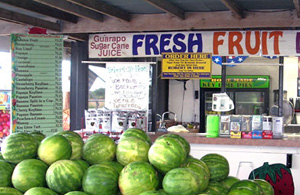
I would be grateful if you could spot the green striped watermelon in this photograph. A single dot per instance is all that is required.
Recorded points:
(64, 176)
(216, 188)
(166, 153)
(116, 165)
(241, 191)
(82, 163)
(19, 146)
(76, 143)
(76, 193)
(40, 191)
(100, 179)
(184, 142)
(218, 166)
(1, 157)
(98, 148)
(181, 181)
(137, 133)
(229, 181)
(6, 171)
(28, 174)
(191, 159)
(266, 187)
(154, 192)
(54, 148)
(38, 136)
(9, 191)
(246, 183)
(132, 149)
(137, 177)
(201, 172)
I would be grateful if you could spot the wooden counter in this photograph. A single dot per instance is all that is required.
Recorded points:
(289, 140)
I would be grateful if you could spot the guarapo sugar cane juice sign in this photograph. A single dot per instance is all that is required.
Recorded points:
(220, 43)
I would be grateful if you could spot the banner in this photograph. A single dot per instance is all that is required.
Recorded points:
(219, 43)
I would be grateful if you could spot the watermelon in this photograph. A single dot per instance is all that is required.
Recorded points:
(191, 159)
(184, 142)
(137, 133)
(216, 188)
(138, 177)
(1, 157)
(98, 148)
(229, 181)
(54, 148)
(201, 172)
(19, 146)
(166, 153)
(181, 181)
(82, 163)
(68, 133)
(116, 165)
(28, 174)
(266, 187)
(218, 166)
(40, 191)
(154, 192)
(64, 176)
(38, 136)
(76, 193)
(132, 149)
(9, 191)
(250, 184)
(76, 143)
(100, 179)
(241, 191)
(6, 171)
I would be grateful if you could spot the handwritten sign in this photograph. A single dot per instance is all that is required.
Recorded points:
(127, 86)
(36, 83)
(186, 65)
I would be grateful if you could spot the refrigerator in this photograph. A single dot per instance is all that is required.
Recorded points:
(250, 94)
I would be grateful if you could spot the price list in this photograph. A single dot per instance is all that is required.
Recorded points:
(36, 83)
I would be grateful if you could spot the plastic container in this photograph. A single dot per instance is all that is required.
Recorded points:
(212, 125)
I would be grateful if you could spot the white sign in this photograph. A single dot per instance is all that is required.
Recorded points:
(219, 43)
(127, 85)
(222, 102)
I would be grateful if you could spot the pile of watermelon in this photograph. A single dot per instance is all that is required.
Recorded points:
(33, 164)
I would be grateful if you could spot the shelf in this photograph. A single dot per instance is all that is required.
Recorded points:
(249, 102)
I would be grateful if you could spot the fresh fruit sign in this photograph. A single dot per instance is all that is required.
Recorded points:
(36, 83)
(219, 43)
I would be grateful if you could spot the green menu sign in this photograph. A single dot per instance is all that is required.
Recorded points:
(237, 81)
(36, 83)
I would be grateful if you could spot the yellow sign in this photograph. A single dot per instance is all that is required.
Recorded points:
(186, 65)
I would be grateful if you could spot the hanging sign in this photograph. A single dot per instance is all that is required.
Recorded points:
(219, 43)
(127, 86)
(36, 83)
(186, 65)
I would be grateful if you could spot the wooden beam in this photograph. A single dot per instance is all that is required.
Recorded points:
(234, 7)
(73, 9)
(168, 7)
(25, 19)
(77, 37)
(42, 9)
(297, 7)
(103, 8)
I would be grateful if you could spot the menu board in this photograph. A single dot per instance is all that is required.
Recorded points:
(36, 83)
(127, 86)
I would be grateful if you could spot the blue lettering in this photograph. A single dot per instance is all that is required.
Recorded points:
(197, 42)
(151, 41)
(165, 41)
(136, 43)
(178, 43)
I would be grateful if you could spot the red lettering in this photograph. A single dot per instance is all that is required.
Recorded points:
(255, 49)
(235, 43)
(217, 42)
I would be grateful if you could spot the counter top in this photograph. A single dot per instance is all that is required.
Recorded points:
(289, 140)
